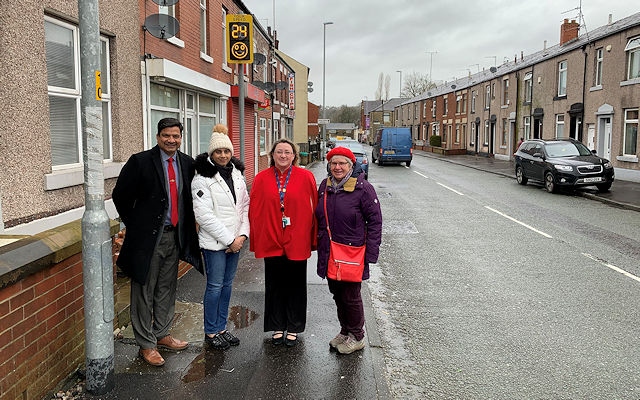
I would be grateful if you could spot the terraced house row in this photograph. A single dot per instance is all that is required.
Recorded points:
(587, 87)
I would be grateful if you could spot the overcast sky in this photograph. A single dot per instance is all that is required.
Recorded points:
(369, 37)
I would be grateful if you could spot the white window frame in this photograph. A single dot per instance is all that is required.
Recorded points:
(474, 94)
(526, 127)
(633, 58)
(598, 69)
(562, 78)
(74, 93)
(485, 138)
(528, 87)
(487, 97)
(225, 65)
(204, 33)
(262, 136)
(629, 143)
(505, 92)
(171, 11)
(560, 126)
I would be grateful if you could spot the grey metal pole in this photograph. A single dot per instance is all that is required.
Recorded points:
(400, 95)
(241, 96)
(96, 243)
(324, 108)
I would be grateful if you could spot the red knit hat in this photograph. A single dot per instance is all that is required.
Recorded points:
(341, 151)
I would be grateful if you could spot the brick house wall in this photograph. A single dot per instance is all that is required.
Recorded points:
(42, 335)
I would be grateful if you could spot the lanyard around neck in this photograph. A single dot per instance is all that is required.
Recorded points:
(282, 190)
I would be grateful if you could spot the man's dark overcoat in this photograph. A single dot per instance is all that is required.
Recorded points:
(142, 200)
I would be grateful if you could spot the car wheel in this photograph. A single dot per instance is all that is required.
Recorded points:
(520, 178)
(408, 163)
(604, 187)
(373, 159)
(549, 182)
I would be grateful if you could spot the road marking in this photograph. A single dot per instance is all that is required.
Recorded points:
(444, 186)
(613, 267)
(422, 175)
(519, 222)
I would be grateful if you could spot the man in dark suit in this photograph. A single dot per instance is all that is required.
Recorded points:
(153, 197)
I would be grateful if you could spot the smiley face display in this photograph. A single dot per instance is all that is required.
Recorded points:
(239, 50)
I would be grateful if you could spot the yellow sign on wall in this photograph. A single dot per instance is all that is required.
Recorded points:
(98, 87)
(239, 38)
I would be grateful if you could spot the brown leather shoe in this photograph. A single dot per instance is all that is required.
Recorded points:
(170, 343)
(151, 357)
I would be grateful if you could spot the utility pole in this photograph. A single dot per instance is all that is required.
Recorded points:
(400, 95)
(324, 108)
(97, 260)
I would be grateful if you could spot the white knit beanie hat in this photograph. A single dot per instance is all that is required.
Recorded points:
(220, 141)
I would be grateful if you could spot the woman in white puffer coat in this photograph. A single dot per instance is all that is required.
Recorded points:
(221, 206)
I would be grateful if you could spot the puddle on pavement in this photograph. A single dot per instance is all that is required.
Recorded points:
(205, 364)
(210, 363)
(242, 316)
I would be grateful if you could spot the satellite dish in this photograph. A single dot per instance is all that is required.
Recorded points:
(429, 94)
(453, 86)
(269, 86)
(281, 85)
(309, 84)
(258, 84)
(309, 89)
(493, 69)
(162, 26)
(165, 3)
(259, 59)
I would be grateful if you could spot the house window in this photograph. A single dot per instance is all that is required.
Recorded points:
(424, 109)
(262, 139)
(207, 119)
(203, 26)
(433, 109)
(559, 126)
(457, 133)
(562, 78)
(386, 118)
(505, 92)
(458, 104)
(598, 77)
(275, 135)
(487, 97)
(633, 58)
(473, 134)
(528, 87)
(505, 126)
(485, 139)
(464, 103)
(474, 94)
(630, 146)
(164, 103)
(446, 106)
(527, 127)
(63, 88)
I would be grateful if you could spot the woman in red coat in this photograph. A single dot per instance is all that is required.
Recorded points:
(283, 232)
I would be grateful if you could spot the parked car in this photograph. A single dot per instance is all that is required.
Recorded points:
(392, 145)
(562, 163)
(358, 150)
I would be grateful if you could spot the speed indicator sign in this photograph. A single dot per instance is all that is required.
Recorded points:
(239, 38)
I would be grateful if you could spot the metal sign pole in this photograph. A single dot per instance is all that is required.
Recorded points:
(96, 243)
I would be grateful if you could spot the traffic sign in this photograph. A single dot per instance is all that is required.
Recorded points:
(323, 121)
(239, 38)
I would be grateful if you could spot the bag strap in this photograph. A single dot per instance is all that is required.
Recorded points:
(326, 216)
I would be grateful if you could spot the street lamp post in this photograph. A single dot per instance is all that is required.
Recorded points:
(400, 95)
(324, 111)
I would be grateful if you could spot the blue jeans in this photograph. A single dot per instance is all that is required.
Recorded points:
(220, 269)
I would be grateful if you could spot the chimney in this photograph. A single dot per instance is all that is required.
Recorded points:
(610, 18)
(568, 31)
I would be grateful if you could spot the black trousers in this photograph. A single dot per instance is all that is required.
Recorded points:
(285, 294)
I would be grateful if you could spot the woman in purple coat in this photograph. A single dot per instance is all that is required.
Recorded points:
(355, 218)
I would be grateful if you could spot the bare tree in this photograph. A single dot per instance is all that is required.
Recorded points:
(387, 85)
(416, 84)
(379, 90)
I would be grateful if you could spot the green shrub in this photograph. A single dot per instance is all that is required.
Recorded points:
(435, 141)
